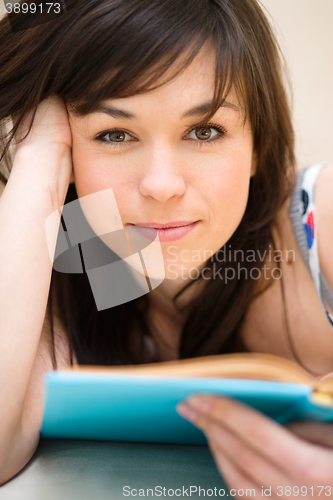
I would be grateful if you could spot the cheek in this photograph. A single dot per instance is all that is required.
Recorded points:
(86, 169)
(227, 195)
(94, 171)
(231, 193)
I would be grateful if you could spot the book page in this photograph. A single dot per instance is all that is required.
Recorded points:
(245, 365)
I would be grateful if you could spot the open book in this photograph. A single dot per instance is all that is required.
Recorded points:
(137, 403)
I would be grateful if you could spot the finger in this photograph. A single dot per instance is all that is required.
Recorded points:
(318, 433)
(238, 482)
(253, 464)
(261, 433)
(246, 486)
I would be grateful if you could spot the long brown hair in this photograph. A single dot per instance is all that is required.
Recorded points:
(104, 49)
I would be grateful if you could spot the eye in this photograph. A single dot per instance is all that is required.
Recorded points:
(115, 137)
(206, 133)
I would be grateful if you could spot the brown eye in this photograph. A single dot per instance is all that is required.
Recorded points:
(203, 133)
(206, 133)
(117, 136)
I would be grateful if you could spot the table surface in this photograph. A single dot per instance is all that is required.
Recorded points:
(99, 470)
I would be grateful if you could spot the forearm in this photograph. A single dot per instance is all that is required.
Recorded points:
(16, 452)
(25, 269)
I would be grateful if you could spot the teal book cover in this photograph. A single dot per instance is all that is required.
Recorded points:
(100, 405)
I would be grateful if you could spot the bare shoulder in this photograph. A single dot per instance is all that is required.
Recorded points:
(324, 211)
(33, 408)
(297, 322)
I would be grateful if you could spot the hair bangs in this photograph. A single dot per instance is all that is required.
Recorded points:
(157, 58)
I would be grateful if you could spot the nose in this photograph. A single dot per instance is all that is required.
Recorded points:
(162, 179)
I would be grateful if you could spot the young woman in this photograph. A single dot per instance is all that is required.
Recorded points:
(179, 107)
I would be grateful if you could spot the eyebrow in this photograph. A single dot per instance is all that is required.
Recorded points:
(114, 112)
(205, 107)
(201, 109)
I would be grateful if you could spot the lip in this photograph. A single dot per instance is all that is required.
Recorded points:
(169, 231)
(156, 225)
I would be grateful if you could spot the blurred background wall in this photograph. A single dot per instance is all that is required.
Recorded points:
(305, 31)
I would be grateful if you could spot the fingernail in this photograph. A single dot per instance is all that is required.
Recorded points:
(187, 412)
(201, 403)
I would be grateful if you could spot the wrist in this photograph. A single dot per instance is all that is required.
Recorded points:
(43, 170)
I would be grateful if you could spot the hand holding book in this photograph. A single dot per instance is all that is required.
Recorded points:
(251, 450)
(254, 452)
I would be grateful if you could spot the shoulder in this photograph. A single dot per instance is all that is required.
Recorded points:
(324, 212)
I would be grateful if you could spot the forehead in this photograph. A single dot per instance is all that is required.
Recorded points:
(185, 90)
(194, 83)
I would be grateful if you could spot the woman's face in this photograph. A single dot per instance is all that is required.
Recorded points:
(166, 165)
